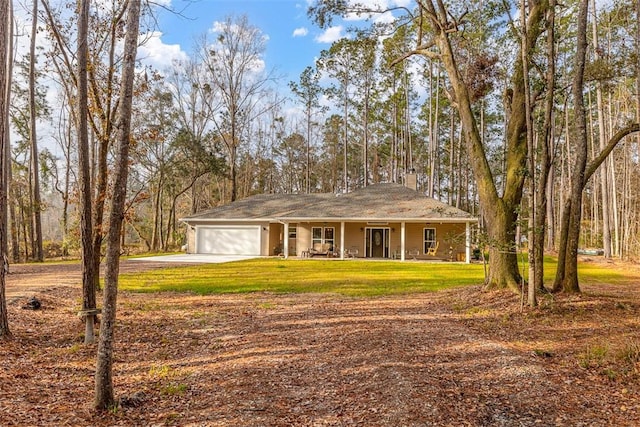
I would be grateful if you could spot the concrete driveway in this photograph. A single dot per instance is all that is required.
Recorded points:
(195, 258)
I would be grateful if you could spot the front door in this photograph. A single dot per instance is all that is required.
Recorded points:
(377, 242)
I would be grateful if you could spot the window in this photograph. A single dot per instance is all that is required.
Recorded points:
(322, 238)
(293, 231)
(328, 237)
(429, 239)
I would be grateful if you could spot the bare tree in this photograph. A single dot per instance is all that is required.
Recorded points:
(104, 397)
(237, 82)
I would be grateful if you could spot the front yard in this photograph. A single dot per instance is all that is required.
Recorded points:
(331, 354)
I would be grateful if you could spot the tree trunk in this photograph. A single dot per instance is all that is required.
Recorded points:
(503, 260)
(86, 229)
(534, 261)
(500, 212)
(104, 397)
(604, 175)
(564, 253)
(544, 155)
(35, 167)
(570, 281)
(15, 231)
(5, 91)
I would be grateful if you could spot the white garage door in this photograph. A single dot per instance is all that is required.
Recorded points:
(228, 240)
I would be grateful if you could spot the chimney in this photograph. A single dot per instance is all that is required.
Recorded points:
(411, 180)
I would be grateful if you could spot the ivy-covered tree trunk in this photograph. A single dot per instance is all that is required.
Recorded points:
(503, 259)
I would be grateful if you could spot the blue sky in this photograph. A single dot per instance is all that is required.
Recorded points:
(293, 40)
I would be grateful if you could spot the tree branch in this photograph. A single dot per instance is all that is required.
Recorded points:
(597, 161)
(423, 49)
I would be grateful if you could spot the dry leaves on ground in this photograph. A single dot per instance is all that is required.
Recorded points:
(463, 357)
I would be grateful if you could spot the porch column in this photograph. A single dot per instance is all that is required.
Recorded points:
(342, 240)
(468, 243)
(403, 231)
(285, 238)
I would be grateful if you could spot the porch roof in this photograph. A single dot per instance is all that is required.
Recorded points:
(379, 202)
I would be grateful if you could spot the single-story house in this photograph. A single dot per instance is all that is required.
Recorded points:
(378, 221)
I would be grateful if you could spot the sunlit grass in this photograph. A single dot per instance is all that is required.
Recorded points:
(352, 277)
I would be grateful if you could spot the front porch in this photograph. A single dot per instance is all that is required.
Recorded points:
(402, 240)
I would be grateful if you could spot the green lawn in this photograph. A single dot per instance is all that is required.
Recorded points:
(352, 277)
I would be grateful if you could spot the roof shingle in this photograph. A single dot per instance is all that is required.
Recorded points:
(375, 202)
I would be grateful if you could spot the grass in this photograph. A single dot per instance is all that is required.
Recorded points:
(349, 278)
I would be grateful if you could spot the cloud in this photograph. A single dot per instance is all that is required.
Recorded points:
(300, 32)
(156, 53)
(331, 34)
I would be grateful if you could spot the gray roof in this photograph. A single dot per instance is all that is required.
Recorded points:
(379, 202)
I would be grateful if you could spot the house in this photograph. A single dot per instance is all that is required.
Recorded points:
(378, 221)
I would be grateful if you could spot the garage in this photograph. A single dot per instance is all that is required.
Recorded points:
(228, 240)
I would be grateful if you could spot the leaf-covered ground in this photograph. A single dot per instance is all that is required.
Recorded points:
(454, 358)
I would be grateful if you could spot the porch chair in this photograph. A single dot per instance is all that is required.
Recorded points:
(433, 250)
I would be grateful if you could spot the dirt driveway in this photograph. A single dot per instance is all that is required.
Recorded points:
(24, 280)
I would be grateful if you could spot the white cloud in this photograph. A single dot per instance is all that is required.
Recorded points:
(384, 18)
(156, 53)
(300, 32)
(331, 34)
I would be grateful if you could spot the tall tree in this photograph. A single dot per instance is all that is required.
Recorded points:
(104, 397)
(308, 92)
(237, 82)
(602, 136)
(438, 31)
(89, 272)
(567, 272)
(6, 25)
(102, 81)
(190, 89)
(545, 143)
(338, 62)
(364, 79)
(35, 167)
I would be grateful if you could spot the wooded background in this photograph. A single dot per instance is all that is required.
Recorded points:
(213, 129)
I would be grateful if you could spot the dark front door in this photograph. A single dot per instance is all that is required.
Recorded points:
(377, 242)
